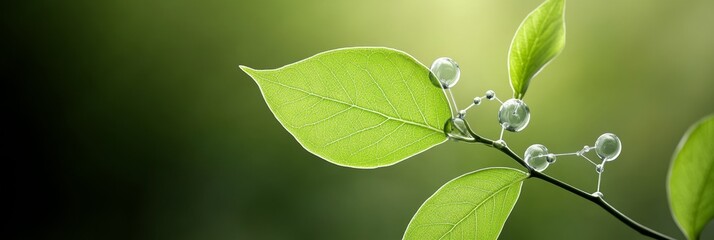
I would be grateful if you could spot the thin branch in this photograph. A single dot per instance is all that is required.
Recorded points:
(501, 146)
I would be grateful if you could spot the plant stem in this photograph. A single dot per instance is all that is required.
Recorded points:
(592, 198)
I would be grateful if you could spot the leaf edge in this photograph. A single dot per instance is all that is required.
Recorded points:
(508, 59)
(679, 147)
(248, 71)
(525, 174)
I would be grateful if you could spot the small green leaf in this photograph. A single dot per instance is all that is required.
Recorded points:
(539, 39)
(691, 179)
(473, 206)
(357, 107)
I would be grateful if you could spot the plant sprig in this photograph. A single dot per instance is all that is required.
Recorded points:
(370, 107)
(532, 173)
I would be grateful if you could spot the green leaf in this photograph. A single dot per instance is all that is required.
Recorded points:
(691, 179)
(473, 206)
(539, 39)
(357, 107)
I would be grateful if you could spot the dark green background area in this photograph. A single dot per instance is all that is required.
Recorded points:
(140, 125)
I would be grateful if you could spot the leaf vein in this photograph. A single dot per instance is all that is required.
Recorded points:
(479, 205)
(355, 106)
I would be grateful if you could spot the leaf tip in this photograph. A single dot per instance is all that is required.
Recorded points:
(246, 69)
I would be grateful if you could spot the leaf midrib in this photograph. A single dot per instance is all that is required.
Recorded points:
(354, 106)
(536, 41)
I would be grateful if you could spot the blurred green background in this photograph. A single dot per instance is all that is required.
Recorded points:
(142, 126)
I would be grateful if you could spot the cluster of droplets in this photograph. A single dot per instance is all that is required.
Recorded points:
(607, 147)
(513, 114)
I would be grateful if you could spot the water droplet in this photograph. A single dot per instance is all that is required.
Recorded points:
(536, 157)
(490, 94)
(600, 168)
(583, 151)
(499, 144)
(550, 158)
(608, 147)
(455, 128)
(514, 115)
(597, 194)
(445, 72)
(477, 100)
(462, 114)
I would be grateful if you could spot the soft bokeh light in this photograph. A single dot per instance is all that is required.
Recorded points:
(151, 131)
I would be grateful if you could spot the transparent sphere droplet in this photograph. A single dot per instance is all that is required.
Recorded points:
(462, 114)
(599, 168)
(490, 94)
(608, 147)
(597, 194)
(550, 158)
(445, 72)
(477, 100)
(514, 115)
(583, 151)
(499, 143)
(455, 128)
(536, 157)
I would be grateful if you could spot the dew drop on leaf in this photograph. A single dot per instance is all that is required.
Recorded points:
(446, 71)
(456, 129)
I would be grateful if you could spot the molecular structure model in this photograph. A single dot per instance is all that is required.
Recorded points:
(514, 115)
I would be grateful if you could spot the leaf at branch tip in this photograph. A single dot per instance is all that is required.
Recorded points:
(362, 107)
(691, 179)
(473, 206)
(539, 39)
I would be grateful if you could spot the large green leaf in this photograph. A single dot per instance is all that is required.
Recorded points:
(539, 39)
(691, 179)
(357, 107)
(473, 206)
